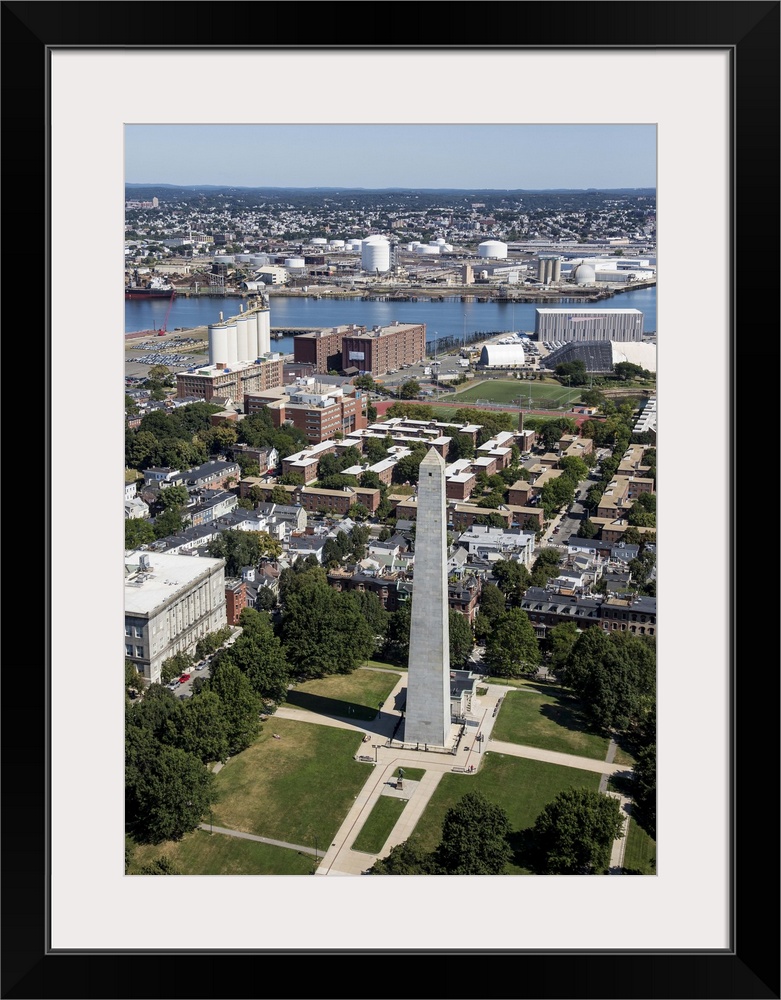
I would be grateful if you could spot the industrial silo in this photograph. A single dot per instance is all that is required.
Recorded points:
(233, 347)
(252, 334)
(241, 338)
(492, 248)
(375, 254)
(264, 331)
(294, 262)
(318, 241)
(218, 344)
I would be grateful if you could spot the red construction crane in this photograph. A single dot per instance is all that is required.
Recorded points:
(161, 332)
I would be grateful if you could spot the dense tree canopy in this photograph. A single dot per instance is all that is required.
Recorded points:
(511, 648)
(614, 675)
(574, 834)
(474, 838)
(243, 548)
(259, 655)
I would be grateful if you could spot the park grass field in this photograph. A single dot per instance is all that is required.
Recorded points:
(297, 788)
(350, 696)
(518, 392)
(379, 826)
(205, 853)
(550, 719)
(520, 786)
(640, 851)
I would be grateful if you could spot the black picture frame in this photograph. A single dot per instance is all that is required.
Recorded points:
(750, 31)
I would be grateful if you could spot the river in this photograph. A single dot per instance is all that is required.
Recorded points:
(450, 318)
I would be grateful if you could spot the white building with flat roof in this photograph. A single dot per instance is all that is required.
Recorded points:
(171, 601)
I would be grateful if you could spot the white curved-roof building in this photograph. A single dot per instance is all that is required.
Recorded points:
(492, 248)
(502, 356)
(636, 354)
(584, 274)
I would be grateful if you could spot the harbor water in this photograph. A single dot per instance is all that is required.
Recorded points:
(450, 318)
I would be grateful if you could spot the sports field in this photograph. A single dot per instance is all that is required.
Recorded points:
(513, 392)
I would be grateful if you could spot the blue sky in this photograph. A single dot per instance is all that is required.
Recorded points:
(534, 157)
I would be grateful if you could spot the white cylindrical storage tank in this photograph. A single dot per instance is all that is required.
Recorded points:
(218, 345)
(413, 245)
(355, 244)
(264, 331)
(233, 349)
(426, 249)
(375, 254)
(492, 248)
(336, 244)
(242, 347)
(294, 262)
(252, 335)
(319, 241)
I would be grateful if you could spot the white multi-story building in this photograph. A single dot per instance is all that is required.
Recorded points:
(171, 601)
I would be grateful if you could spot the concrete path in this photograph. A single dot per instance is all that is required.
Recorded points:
(340, 858)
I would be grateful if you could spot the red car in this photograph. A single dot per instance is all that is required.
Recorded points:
(184, 678)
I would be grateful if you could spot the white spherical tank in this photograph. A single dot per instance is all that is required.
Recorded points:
(233, 347)
(584, 274)
(218, 345)
(252, 335)
(264, 332)
(375, 254)
(242, 348)
(492, 248)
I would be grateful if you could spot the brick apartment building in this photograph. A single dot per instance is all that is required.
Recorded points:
(384, 349)
(233, 381)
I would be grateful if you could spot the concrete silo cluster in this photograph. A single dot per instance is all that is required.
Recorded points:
(245, 337)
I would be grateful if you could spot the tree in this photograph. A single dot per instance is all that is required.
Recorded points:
(574, 467)
(545, 566)
(174, 666)
(138, 531)
(241, 705)
(644, 791)
(258, 653)
(461, 638)
(474, 838)
(560, 639)
(512, 578)
(280, 495)
(587, 529)
(574, 834)
(160, 866)
(573, 372)
(133, 679)
(173, 497)
(323, 633)
(407, 858)
(396, 646)
(409, 389)
(493, 604)
(369, 606)
(168, 523)
(614, 675)
(167, 790)
(511, 649)
(200, 728)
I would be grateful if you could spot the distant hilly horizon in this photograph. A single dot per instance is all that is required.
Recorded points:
(385, 190)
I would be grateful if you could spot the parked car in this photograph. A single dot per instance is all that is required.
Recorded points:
(201, 665)
(184, 678)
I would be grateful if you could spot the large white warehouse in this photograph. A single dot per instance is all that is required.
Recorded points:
(565, 325)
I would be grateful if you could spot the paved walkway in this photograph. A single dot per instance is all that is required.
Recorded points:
(341, 859)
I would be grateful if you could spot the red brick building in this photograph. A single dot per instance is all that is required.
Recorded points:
(235, 600)
(384, 349)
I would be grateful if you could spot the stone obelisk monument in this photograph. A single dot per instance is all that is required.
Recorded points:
(427, 715)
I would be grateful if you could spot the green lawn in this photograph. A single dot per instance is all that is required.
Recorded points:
(506, 391)
(640, 851)
(550, 719)
(202, 853)
(379, 826)
(296, 788)
(521, 787)
(350, 696)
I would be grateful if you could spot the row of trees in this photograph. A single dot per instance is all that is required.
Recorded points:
(573, 835)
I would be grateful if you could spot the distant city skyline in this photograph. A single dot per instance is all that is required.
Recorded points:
(501, 157)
